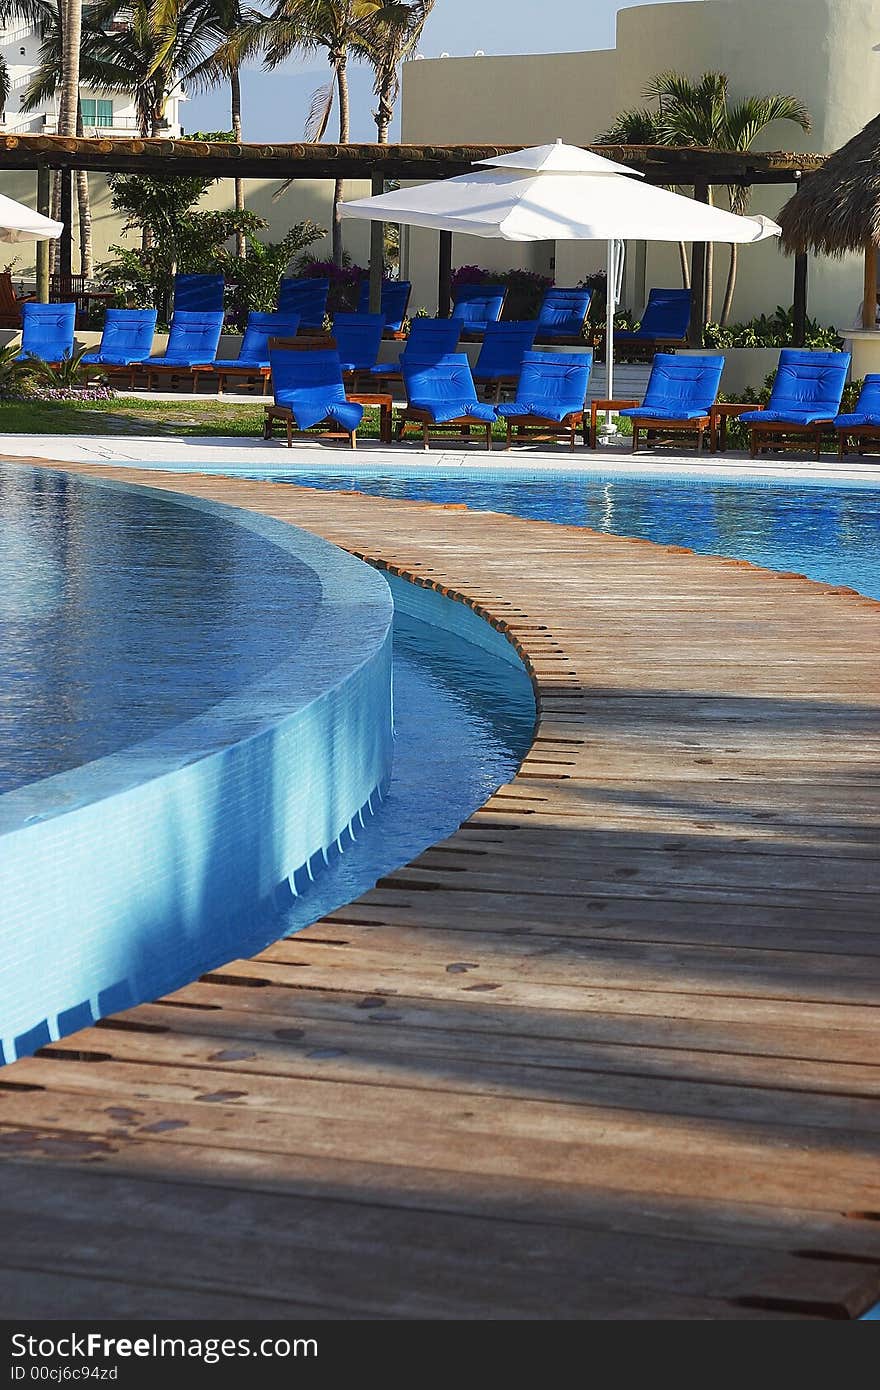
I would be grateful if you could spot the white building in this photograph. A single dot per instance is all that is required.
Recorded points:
(820, 50)
(104, 113)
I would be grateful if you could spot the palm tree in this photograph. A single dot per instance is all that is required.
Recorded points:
(642, 126)
(698, 113)
(49, 18)
(219, 21)
(307, 27)
(389, 36)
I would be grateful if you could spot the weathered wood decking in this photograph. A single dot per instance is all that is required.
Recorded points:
(608, 1052)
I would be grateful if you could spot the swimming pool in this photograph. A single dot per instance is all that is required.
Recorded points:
(196, 739)
(829, 533)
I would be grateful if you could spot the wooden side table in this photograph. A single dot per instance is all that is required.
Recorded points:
(384, 400)
(719, 414)
(596, 406)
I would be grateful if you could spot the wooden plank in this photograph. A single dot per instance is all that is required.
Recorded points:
(608, 1051)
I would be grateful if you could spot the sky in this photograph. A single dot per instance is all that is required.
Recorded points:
(275, 104)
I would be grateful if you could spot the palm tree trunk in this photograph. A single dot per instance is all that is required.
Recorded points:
(685, 266)
(384, 113)
(72, 23)
(55, 214)
(710, 269)
(235, 99)
(344, 129)
(730, 286)
(84, 207)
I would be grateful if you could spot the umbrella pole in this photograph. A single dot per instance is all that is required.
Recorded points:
(610, 306)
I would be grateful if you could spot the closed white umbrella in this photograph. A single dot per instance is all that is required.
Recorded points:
(18, 223)
(560, 193)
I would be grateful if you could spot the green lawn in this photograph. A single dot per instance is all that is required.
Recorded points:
(185, 418)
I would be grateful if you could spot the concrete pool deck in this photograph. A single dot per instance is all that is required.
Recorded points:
(610, 1051)
(234, 452)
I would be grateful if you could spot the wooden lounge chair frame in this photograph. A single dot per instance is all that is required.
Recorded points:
(861, 435)
(285, 415)
(784, 434)
(536, 427)
(10, 303)
(258, 375)
(698, 425)
(463, 425)
(192, 368)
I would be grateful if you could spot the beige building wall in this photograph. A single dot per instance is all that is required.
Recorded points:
(820, 50)
(304, 199)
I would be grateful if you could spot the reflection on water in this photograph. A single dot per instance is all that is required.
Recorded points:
(463, 722)
(828, 533)
(121, 615)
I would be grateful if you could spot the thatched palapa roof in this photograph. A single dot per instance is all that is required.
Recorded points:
(837, 209)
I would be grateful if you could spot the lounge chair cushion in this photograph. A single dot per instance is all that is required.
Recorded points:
(648, 412)
(250, 364)
(313, 407)
(867, 408)
(310, 385)
(442, 412)
(110, 359)
(783, 417)
(856, 419)
(552, 386)
(538, 410)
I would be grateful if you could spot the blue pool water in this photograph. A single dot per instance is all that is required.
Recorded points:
(119, 620)
(195, 739)
(463, 721)
(827, 533)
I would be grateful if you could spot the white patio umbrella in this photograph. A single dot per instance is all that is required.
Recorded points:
(561, 193)
(18, 223)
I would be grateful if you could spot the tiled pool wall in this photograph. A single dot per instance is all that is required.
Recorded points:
(436, 606)
(121, 878)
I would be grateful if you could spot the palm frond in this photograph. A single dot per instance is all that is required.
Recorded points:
(320, 111)
(640, 126)
(749, 118)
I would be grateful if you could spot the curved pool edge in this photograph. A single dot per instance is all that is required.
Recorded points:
(653, 1181)
(126, 874)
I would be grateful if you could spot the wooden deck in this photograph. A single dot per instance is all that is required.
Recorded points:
(611, 1051)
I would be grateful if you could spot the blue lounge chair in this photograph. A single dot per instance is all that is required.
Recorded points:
(804, 401)
(192, 342)
(357, 338)
(198, 294)
(47, 332)
(428, 338)
(126, 340)
(664, 323)
(309, 391)
(441, 396)
(551, 397)
(562, 316)
(501, 355)
(306, 297)
(395, 302)
(474, 306)
(679, 398)
(252, 362)
(861, 425)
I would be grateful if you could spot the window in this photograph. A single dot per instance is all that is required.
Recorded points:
(96, 112)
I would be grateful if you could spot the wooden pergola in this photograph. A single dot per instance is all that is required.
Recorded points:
(697, 168)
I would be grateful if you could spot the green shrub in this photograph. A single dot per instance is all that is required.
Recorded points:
(774, 330)
(256, 279)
